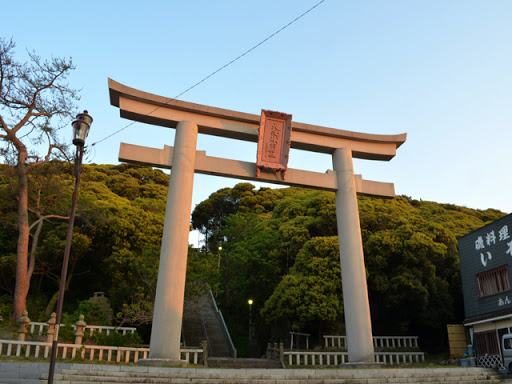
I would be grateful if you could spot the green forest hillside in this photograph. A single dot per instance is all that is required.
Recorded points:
(116, 237)
(278, 247)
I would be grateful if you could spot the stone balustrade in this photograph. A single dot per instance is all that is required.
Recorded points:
(275, 352)
(335, 358)
(393, 342)
(40, 328)
(36, 349)
(39, 349)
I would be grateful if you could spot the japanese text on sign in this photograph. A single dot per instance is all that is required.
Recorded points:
(482, 242)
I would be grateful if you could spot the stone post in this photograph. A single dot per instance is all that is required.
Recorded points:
(80, 327)
(51, 327)
(353, 275)
(204, 344)
(164, 348)
(269, 351)
(23, 329)
(281, 353)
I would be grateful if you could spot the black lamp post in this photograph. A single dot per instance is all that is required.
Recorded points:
(250, 318)
(81, 127)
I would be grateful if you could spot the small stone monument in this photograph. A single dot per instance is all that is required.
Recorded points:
(101, 300)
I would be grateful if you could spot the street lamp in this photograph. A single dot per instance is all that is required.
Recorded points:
(250, 319)
(218, 268)
(81, 127)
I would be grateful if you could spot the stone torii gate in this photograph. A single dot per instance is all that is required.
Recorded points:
(190, 119)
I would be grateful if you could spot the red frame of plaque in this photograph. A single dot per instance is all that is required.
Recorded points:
(274, 141)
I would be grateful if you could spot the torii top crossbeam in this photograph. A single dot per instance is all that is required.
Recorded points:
(141, 106)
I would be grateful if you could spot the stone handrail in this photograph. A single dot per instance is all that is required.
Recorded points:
(328, 358)
(334, 341)
(100, 328)
(205, 332)
(13, 348)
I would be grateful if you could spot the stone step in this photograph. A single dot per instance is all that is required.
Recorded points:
(226, 362)
(135, 375)
(23, 373)
(252, 380)
(193, 331)
(260, 381)
(36, 373)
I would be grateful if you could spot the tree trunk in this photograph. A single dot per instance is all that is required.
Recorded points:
(32, 261)
(51, 304)
(35, 240)
(20, 290)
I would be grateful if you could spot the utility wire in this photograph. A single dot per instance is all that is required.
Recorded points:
(216, 71)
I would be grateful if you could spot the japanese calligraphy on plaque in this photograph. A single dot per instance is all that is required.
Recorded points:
(274, 142)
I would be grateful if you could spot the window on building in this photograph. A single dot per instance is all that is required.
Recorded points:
(487, 343)
(493, 282)
(508, 343)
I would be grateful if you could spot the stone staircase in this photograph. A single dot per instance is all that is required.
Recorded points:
(192, 326)
(36, 373)
(202, 311)
(218, 343)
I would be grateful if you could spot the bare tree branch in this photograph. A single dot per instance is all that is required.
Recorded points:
(42, 218)
(35, 99)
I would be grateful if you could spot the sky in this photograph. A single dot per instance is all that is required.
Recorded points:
(438, 70)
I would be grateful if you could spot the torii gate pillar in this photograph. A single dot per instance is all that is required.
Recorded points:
(170, 288)
(353, 275)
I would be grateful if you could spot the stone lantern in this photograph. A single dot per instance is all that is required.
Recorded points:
(23, 321)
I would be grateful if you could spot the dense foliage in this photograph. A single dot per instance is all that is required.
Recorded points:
(280, 248)
(116, 239)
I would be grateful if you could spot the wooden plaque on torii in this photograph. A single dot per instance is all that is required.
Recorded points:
(274, 137)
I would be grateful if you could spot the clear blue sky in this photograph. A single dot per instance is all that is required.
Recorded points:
(438, 70)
